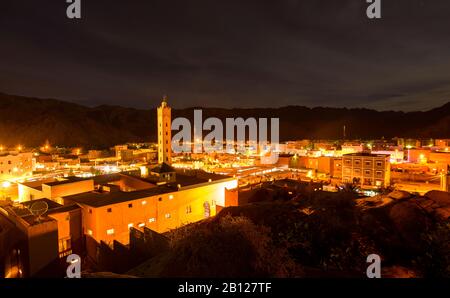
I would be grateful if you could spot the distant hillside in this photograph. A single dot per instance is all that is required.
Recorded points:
(31, 121)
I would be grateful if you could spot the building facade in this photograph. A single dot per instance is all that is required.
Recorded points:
(366, 169)
(16, 164)
(108, 215)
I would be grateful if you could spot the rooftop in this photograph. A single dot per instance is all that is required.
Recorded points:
(66, 180)
(367, 154)
(52, 182)
(163, 168)
(99, 199)
(184, 179)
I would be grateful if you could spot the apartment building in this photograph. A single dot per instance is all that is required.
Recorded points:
(15, 164)
(366, 169)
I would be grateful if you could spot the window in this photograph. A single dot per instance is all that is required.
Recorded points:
(109, 210)
(110, 232)
(379, 163)
(90, 211)
(368, 181)
(188, 209)
(9, 162)
(368, 163)
(379, 174)
(167, 215)
(65, 244)
(152, 219)
(367, 172)
(130, 205)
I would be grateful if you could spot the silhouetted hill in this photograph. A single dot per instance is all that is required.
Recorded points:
(31, 121)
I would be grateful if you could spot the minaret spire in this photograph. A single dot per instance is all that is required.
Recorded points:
(164, 113)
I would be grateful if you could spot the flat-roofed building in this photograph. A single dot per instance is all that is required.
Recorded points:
(442, 143)
(34, 242)
(53, 189)
(440, 157)
(351, 147)
(15, 164)
(109, 214)
(418, 155)
(366, 169)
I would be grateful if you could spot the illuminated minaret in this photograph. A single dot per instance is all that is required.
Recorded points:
(164, 133)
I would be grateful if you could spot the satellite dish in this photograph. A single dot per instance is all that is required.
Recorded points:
(38, 209)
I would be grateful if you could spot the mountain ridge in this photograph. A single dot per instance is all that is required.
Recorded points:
(31, 121)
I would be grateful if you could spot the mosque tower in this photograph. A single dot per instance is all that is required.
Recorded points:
(164, 133)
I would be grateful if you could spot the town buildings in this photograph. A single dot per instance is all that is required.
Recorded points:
(87, 213)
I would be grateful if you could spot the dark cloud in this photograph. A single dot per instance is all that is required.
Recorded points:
(229, 53)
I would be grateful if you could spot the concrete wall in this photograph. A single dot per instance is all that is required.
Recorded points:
(42, 245)
(26, 193)
(67, 189)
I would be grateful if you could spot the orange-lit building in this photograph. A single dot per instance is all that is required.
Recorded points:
(53, 189)
(418, 155)
(440, 157)
(328, 165)
(366, 169)
(442, 144)
(109, 212)
(29, 244)
(15, 164)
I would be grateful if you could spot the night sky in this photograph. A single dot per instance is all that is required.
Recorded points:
(226, 53)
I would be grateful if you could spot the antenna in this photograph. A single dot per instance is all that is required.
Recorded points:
(38, 209)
